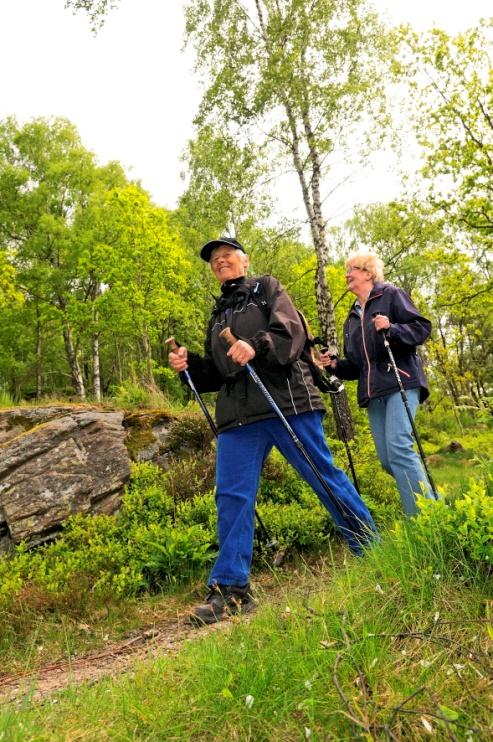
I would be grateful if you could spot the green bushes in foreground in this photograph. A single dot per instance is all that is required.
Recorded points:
(393, 646)
(465, 523)
(159, 540)
(155, 541)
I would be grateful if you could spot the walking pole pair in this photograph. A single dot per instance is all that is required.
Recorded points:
(270, 543)
(408, 409)
(231, 339)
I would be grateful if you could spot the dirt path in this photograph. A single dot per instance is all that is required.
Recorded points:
(115, 658)
(166, 636)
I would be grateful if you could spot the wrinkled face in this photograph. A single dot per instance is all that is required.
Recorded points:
(227, 263)
(358, 279)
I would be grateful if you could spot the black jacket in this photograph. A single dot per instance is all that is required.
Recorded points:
(366, 357)
(277, 336)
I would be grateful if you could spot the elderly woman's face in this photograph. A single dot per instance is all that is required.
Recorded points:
(358, 279)
(228, 263)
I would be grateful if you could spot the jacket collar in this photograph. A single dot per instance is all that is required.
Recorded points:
(377, 290)
(228, 286)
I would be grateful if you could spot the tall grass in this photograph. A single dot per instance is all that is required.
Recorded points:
(396, 645)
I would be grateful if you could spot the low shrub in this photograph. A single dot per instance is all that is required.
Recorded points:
(129, 394)
(167, 555)
(280, 483)
(464, 523)
(146, 499)
(301, 525)
(200, 510)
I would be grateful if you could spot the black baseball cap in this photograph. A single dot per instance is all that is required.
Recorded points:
(206, 250)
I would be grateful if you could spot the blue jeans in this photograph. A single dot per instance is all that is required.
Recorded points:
(393, 436)
(241, 453)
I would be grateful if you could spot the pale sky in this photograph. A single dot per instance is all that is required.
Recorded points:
(130, 91)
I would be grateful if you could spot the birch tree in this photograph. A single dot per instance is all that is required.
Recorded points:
(303, 77)
(304, 80)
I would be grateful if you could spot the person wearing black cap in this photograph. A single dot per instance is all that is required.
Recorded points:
(269, 333)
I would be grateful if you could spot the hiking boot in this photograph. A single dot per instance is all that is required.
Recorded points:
(223, 601)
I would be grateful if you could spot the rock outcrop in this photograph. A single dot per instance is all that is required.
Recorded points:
(60, 460)
(57, 461)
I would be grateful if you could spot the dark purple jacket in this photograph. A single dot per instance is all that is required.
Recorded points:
(366, 357)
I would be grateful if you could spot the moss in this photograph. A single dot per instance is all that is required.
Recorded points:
(139, 425)
(29, 423)
(137, 439)
(20, 421)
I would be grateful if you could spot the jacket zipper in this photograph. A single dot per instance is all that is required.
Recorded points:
(365, 351)
(364, 342)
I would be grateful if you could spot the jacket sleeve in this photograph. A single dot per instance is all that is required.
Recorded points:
(283, 341)
(346, 370)
(204, 374)
(408, 327)
(202, 369)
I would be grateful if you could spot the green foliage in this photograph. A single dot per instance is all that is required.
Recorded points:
(104, 272)
(6, 399)
(298, 525)
(191, 476)
(146, 500)
(171, 554)
(164, 532)
(454, 93)
(199, 510)
(287, 87)
(465, 523)
(280, 483)
(95, 9)
(190, 432)
(130, 394)
(397, 637)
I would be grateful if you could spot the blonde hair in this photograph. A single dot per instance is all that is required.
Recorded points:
(369, 261)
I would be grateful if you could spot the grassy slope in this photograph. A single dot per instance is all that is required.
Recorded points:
(394, 646)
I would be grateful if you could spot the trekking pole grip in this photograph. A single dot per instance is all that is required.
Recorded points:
(227, 335)
(173, 345)
(383, 331)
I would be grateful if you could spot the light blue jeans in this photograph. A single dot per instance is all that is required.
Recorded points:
(241, 453)
(393, 436)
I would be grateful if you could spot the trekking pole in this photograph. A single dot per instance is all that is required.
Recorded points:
(342, 428)
(408, 409)
(228, 336)
(174, 347)
(330, 387)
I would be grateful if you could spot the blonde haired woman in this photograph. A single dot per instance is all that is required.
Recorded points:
(382, 307)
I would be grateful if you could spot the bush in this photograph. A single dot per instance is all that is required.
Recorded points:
(146, 499)
(168, 554)
(377, 488)
(200, 510)
(307, 525)
(130, 394)
(463, 527)
(280, 483)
